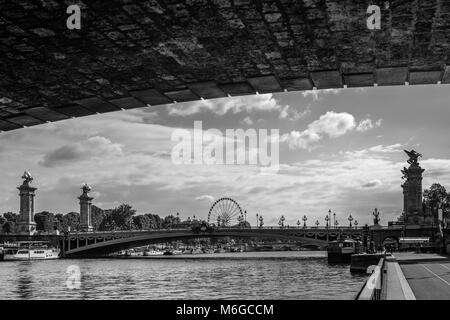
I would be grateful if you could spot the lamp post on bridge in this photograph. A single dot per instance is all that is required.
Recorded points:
(327, 218)
(336, 224)
(334, 219)
(376, 218)
(257, 215)
(298, 223)
(356, 223)
(281, 222)
(304, 221)
(261, 221)
(317, 223)
(350, 218)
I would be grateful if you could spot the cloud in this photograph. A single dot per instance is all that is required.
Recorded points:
(205, 197)
(317, 94)
(372, 184)
(373, 151)
(262, 102)
(287, 112)
(367, 124)
(247, 121)
(92, 147)
(331, 124)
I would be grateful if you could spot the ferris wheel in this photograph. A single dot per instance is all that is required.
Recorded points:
(225, 212)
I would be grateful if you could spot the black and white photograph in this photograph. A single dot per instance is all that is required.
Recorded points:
(224, 150)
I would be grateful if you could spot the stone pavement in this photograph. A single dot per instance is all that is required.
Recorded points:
(428, 275)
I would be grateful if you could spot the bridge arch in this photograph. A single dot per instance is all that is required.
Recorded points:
(210, 50)
(391, 241)
(114, 244)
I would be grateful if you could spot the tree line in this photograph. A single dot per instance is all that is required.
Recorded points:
(123, 217)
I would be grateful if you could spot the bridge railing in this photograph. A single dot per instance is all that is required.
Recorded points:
(321, 228)
(372, 287)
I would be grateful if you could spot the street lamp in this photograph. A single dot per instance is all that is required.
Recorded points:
(350, 218)
(257, 219)
(298, 223)
(327, 218)
(281, 222)
(336, 223)
(329, 215)
(356, 223)
(317, 223)
(376, 218)
(304, 221)
(334, 218)
(261, 221)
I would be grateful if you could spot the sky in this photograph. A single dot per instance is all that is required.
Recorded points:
(339, 150)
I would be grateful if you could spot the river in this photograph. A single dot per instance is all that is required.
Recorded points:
(246, 275)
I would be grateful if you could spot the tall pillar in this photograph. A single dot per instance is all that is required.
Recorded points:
(26, 224)
(85, 210)
(412, 190)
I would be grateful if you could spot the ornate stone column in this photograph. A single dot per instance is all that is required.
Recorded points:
(412, 190)
(26, 224)
(85, 210)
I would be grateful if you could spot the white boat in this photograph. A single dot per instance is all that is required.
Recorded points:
(197, 251)
(133, 253)
(153, 253)
(30, 251)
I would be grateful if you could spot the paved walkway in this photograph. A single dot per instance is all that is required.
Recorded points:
(428, 275)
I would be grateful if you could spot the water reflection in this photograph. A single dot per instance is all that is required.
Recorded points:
(264, 275)
(24, 279)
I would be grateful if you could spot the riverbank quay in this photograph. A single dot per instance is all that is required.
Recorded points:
(428, 275)
(409, 276)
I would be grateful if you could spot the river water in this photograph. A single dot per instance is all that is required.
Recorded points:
(246, 275)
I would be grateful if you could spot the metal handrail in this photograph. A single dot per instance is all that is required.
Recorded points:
(371, 290)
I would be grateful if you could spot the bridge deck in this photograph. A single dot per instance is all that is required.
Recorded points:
(427, 274)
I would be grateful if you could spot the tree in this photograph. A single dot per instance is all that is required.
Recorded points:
(45, 221)
(8, 222)
(122, 216)
(8, 227)
(434, 195)
(71, 220)
(97, 217)
(11, 216)
(119, 218)
(142, 222)
(59, 222)
(155, 221)
(169, 221)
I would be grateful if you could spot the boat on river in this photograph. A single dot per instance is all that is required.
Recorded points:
(340, 251)
(172, 252)
(30, 250)
(153, 253)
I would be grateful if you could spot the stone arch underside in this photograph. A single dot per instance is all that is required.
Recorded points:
(131, 54)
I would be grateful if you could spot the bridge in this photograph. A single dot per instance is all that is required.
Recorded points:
(95, 244)
(87, 244)
(130, 54)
